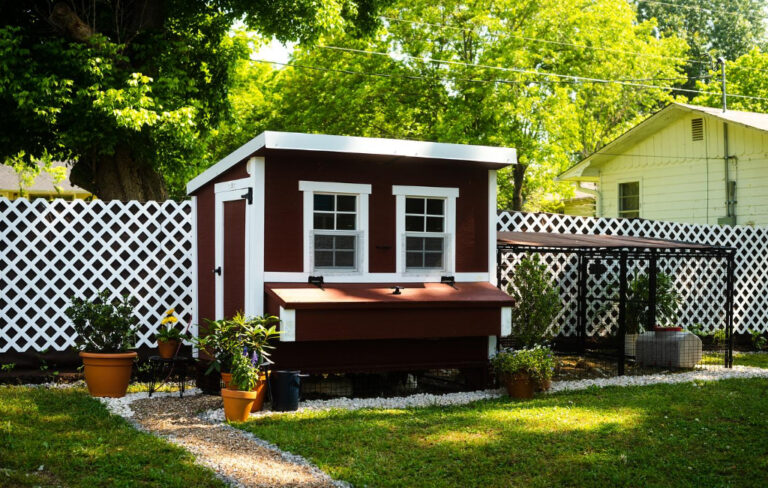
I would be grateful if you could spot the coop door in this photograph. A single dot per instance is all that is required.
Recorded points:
(231, 254)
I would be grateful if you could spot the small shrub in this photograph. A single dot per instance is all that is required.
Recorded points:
(758, 340)
(667, 302)
(245, 370)
(103, 325)
(538, 362)
(537, 302)
(226, 338)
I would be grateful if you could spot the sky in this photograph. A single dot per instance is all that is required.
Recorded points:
(274, 51)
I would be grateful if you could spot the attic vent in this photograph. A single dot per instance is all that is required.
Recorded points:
(697, 129)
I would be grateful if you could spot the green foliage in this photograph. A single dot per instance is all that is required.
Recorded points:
(537, 362)
(226, 340)
(139, 84)
(537, 302)
(171, 333)
(245, 373)
(667, 302)
(7, 367)
(745, 76)
(718, 338)
(552, 122)
(758, 340)
(103, 324)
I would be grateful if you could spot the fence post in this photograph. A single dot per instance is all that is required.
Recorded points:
(651, 319)
(622, 310)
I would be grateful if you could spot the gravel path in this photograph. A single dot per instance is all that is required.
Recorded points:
(238, 457)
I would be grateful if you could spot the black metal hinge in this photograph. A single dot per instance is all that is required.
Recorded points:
(217, 270)
(316, 280)
(448, 280)
(248, 195)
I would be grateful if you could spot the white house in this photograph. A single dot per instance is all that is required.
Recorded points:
(675, 164)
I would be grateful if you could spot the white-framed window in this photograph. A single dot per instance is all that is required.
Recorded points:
(426, 223)
(629, 199)
(335, 227)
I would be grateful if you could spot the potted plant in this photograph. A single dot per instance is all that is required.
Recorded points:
(637, 307)
(105, 331)
(169, 337)
(248, 353)
(522, 370)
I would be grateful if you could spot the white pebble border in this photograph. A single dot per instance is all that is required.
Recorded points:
(463, 398)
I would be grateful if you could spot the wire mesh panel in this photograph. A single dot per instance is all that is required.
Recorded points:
(52, 251)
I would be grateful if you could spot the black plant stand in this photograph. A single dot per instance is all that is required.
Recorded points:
(163, 369)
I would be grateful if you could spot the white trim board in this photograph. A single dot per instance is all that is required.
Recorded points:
(492, 216)
(498, 157)
(295, 277)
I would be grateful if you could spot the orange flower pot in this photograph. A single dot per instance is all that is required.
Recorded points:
(261, 392)
(519, 385)
(237, 404)
(226, 378)
(108, 375)
(167, 349)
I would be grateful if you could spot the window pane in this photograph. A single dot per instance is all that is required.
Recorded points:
(345, 242)
(414, 260)
(433, 260)
(414, 243)
(323, 259)
(345, 222)
(345, 203)
(434, 224)
(435, 206)
(345, 259)
(323, 242)
(414, 223)
(323, 221)
(414, 205)
(324, 202)
(433, 243)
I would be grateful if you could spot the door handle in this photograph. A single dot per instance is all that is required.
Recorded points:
(217, 270)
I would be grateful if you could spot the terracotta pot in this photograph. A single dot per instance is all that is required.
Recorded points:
(108, 375)
(167, 349)
(261, 392)
(237, 404)
(519, 385)
(226, 378)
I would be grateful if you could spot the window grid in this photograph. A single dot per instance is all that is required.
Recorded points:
(629, 200)
(424, 233)
(334, 235)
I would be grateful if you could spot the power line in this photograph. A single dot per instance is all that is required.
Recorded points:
(701, 62)
(538, 73)
(557, 43)
(694, 7)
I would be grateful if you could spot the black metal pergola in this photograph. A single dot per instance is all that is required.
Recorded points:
(623, 249)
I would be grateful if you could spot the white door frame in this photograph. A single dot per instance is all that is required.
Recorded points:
(227, 192)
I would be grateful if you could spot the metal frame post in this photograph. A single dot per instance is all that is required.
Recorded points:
(582, 304)
(622, 311)
(730, 264)
(651, 319)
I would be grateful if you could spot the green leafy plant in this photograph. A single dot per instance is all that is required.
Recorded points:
(758, 340)
(537, 302)
(103, 325)
(667, 302)
(718, 338)
(537, 362)
(245, 371)
(8, 366)
(225, 339)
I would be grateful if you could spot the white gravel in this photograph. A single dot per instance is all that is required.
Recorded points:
(463, 398)
(122, 406)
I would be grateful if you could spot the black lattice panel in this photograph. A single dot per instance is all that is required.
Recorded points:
(51, 251)
(700, 282)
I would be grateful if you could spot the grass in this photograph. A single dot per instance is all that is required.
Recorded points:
(65, 438)
(698, 434)
(739, 359)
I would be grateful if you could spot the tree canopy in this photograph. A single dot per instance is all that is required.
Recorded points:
(130, 90)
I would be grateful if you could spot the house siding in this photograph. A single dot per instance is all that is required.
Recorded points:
(683, 180)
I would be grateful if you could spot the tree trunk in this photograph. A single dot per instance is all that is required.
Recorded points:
(119, 176)
(518, 178)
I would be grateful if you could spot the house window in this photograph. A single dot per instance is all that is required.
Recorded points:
(335, 227)
(426, 223)
(629, 200)
(424, 233)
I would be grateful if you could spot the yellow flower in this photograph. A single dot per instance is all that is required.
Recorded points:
(169, 320)
(169, 312)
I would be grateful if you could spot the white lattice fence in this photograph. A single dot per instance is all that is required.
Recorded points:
(700, 281)
(51, 251)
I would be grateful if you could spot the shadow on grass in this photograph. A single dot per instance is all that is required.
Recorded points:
(710, 434)
(78, 443)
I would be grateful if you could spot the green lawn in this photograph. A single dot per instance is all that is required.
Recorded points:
(704, 434)
(79, 444)
(739, 359)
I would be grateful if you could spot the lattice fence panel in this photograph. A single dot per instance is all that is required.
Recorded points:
(51, 251)
(700, 282)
